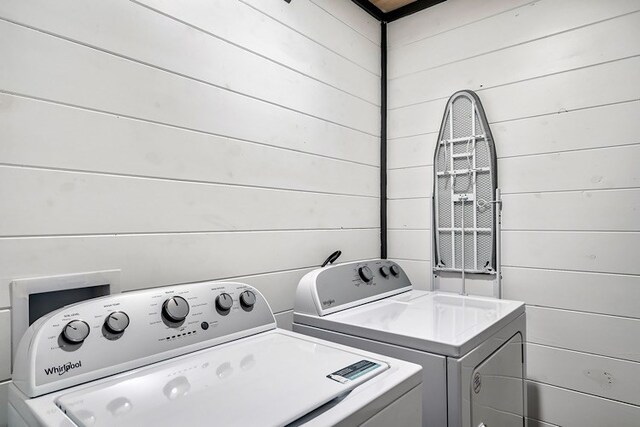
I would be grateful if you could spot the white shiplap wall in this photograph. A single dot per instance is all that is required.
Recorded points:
(560, 82)
(184, 141)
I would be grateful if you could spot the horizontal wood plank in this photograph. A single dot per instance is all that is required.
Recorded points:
(554, 94)
(81, 203)
(409, 214)
(614, 294)
(597, 375)
(568, 408)
(604, 126)
(585, 332)
(603, 210)
(412, 182)
(412, 151)
(604, 252)
(602, 168)
(409, 244)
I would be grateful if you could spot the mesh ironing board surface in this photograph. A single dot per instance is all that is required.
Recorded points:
(464, 188)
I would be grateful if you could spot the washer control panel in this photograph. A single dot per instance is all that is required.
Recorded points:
(341, 286)
(113, 334)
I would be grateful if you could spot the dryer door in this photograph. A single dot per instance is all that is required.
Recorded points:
(497, 388)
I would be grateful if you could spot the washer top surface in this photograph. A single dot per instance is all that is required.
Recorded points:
(269, 379)
(436, 322)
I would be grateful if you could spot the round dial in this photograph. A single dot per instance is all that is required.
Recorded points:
(365, 273)
(395, 270)
(224, 302)
(247, 299)
(385, 271)
(75, 331)
(117, 322)
(175, 309)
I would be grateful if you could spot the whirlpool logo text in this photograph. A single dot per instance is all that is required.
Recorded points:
(63, 369)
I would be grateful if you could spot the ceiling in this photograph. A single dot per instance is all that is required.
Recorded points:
(390, 10)
(389, 5)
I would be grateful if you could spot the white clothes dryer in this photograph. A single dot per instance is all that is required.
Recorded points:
(200, 354)
(471, 348)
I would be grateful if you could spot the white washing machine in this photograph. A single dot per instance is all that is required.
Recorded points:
(471, 348)
(201, 354)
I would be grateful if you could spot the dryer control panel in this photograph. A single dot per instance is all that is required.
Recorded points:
(117, 333)
(338, 287)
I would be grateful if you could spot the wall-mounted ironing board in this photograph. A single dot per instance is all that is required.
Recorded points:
(466, 199)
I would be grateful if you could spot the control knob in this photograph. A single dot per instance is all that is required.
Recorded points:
(395, 270)
(175, 309)
(384, 270)
(247, 299)
(365, 273)
(224, 302)
(116, 322)
(76, 331)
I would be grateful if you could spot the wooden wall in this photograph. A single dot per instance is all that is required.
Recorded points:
(560, 82)
(185, 141)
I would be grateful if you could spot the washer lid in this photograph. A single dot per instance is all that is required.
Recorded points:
(269, 380)
(436, 322)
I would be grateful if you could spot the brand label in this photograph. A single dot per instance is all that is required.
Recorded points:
(63, 369)
(353, 371)
(477, 383)
(328, 302)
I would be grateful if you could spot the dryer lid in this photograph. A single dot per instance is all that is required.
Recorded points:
(270, 380)
(436, 322)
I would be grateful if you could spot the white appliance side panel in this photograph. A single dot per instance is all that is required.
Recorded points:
(15, 420)
(434, 375)
(497, 388)
(403, 412)
(461, 372)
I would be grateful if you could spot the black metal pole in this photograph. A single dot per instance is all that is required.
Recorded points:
(383, 139)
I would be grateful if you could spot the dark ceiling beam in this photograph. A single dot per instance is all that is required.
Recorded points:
(370, 8)
(414, 7)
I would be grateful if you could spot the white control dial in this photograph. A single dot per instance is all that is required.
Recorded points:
(175, 309)
(365, 273)
(247, 299)
(384, 270)
(75, 331)
(117, 322)
(224, 302)
(395, 270)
